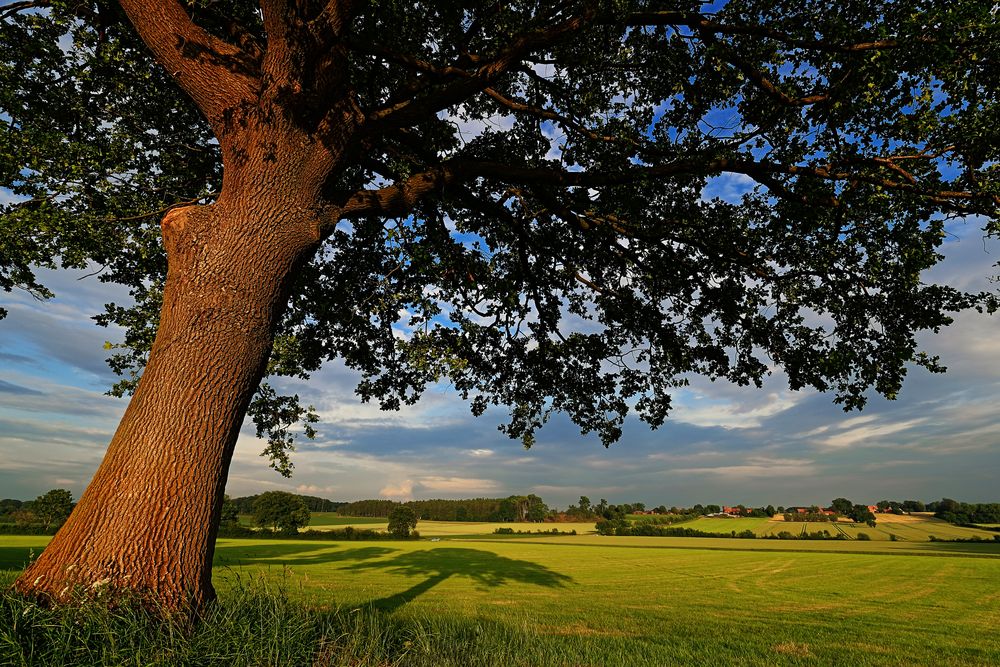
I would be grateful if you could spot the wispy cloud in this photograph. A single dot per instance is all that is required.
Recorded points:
(870, 433)
(755, 467)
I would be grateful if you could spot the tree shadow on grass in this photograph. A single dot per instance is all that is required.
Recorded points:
(17, 558)
(485, 568)
(298, 553)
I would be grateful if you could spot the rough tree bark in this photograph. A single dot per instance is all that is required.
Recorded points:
(147, 521)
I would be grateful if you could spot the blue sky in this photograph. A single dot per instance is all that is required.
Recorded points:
(722, 444)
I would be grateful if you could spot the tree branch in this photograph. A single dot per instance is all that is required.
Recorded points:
(401, 198)
(15, 7)
(410, 111)
(213, 72)
(546, 114)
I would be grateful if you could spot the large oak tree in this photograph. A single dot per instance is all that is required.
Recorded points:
(519, 185)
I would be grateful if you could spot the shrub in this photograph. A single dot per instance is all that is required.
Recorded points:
(864, 537)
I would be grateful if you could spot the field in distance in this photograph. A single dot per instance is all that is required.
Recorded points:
(905, 528)
(594, 600)
(320, 521)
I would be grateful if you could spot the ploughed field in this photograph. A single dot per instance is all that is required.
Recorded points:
(595, 600)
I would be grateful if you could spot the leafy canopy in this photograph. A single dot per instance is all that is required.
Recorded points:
(54, 507)
(523, 212)
(402, 519)
(280, 510)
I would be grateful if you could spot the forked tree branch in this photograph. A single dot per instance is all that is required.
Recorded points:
(213, 72)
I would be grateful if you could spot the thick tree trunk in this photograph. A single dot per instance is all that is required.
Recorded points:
(146, 524)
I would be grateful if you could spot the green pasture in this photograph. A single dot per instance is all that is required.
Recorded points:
(325, 519)
(444, 529)
(593, 600)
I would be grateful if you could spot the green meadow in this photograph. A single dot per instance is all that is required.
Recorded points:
(332, 519)
(594, 600)
(462, 528)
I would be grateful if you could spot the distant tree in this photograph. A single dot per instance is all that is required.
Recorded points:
(712, 509)
(914, 506)
(280, 510)
(638, 507)
(230, 512)
(8, 505)
(770, 511)
(506, 512)
(861, 514)
(23, 518)
(402, 520)
(53, 508)
(537, 509)
(368, 508)
(842, 506)
(585, 505)
(883, 505)
(948, 505)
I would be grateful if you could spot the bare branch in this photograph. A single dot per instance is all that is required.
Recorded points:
(15, 7)
(546, 114)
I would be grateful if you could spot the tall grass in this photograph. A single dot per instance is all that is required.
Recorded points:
(254, 624)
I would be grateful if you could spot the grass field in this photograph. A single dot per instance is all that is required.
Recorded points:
(906, 528)
(327, 519)
(450, 528)
(593, 600)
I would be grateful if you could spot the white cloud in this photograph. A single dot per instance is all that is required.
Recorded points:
(314, 489)
(401, 491)
(458, 484)
(480, 453)
(758, 467)
(866, 434)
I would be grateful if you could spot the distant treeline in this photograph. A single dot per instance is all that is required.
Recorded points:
(512, 508)
(244, 505)
(953, 511)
